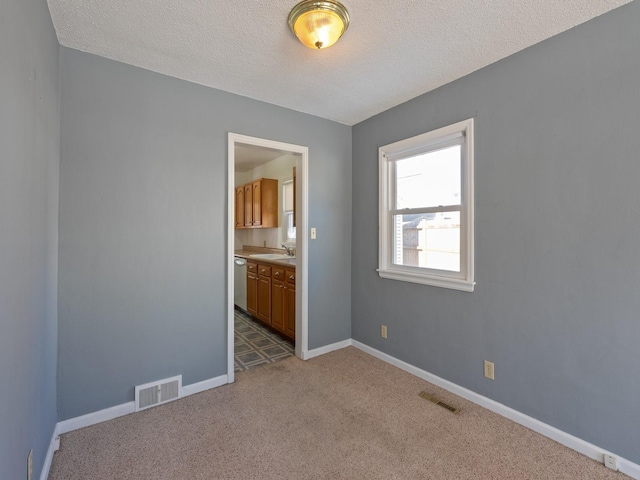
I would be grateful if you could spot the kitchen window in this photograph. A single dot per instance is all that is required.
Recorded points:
(426, 232)
(288, 229)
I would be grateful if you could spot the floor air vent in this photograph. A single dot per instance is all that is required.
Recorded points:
(439, 402)
(156, 393)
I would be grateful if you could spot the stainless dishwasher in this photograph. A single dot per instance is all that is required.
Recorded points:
(240, 283)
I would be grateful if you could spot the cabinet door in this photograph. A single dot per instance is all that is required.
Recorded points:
(264, 299)
(269, 194)
(248, 205)
(277, 305)
(290, 311)
(252, 293)
(257, 204)
(239, 207)
(290, 304)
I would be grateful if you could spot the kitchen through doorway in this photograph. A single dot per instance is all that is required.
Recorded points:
(267, 252)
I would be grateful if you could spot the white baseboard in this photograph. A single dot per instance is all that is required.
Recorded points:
(316, 352)
(54, 446)
(100, 416)
(89, 419)
(592, 451)
(204, 385)
(629, 468)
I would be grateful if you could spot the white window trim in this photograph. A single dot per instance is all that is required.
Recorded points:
(284, 229)
(386, 268)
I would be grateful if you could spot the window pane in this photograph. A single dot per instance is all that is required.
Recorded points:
(429, 180)
(287, 202)
(427, 240)
(291, 230)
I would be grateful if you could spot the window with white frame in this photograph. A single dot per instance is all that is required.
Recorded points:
(288, 229)
(426, 208)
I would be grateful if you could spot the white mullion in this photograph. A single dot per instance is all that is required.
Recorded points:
(393, 202)
(384, 173)
(463, 240)
(393, 197)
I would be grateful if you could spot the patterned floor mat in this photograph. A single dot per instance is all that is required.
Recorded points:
(256, 345)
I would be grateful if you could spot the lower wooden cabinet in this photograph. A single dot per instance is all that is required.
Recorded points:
(252, 289)
(271, 296)
(277, 305)
(264, 299)
(277, 298)
(290, 305)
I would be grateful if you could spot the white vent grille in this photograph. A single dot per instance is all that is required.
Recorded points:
(157, 393)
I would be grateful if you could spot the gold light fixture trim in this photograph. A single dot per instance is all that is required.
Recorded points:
(318, 24)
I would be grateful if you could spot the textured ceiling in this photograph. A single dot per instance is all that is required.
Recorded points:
(393, 50)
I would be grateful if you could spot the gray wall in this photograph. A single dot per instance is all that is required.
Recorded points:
(29, 161)
(142, 227)
(557, 301)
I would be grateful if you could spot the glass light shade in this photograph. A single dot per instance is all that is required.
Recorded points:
(318, 24)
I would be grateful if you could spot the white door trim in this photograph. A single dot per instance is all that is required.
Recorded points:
(302, 242)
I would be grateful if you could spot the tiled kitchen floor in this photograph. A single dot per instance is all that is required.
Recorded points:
(256, 345)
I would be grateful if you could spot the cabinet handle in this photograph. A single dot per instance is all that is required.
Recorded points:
(292, 277)
(262, 271)
(277, 274)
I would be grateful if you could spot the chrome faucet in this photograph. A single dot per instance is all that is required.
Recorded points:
(288, 249)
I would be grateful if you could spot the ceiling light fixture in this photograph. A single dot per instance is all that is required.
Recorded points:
(318, 24)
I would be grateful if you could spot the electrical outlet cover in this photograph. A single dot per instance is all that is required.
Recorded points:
(489, 371)
(611, 462)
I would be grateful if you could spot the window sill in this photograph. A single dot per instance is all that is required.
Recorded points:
(434, 281)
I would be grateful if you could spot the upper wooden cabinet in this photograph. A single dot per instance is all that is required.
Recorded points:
(239, 207)
(257, 204)
(248, 205)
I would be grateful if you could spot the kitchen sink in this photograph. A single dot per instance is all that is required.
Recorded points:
(271, 256)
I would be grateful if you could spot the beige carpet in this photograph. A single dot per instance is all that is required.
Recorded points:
(345, 415)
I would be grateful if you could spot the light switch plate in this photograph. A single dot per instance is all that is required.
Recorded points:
(313, 233)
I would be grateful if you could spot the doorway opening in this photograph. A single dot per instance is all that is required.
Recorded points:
(266, 228)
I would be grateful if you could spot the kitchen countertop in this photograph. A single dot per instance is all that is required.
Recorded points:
(286, 262)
